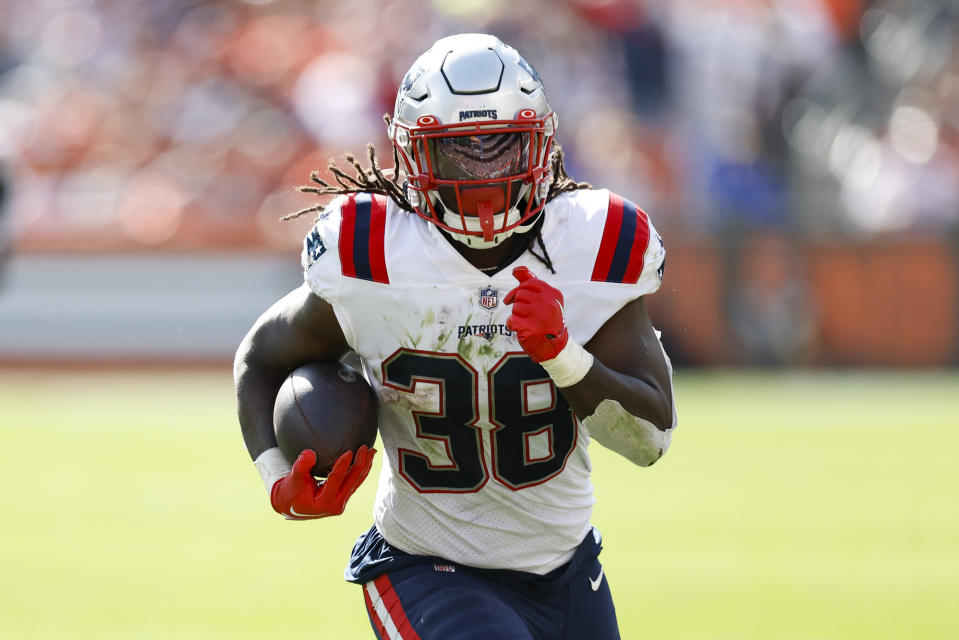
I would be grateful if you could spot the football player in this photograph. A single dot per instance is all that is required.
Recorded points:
(498, 310)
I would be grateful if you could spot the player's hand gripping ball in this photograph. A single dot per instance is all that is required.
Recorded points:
(325, 419)
(537, 316)
(300, 496)
(326, 408)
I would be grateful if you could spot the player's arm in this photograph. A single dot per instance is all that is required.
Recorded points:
(299, 328)
(619, 384)
(629, 366)
(626, 395)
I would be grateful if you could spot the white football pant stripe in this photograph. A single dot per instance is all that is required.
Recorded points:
(381, 611)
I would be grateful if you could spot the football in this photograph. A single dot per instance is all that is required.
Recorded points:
(326, 407)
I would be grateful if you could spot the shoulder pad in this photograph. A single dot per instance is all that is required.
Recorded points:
(626, 237)
(353, 227)
(362, 243)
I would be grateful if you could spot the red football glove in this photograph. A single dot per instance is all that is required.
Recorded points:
(300, 496)
(537, 316)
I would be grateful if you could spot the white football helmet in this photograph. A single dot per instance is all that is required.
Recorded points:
(474, 129)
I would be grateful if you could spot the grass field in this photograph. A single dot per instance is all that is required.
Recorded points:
(817, 505)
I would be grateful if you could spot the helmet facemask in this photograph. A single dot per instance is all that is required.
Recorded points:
(481, 182)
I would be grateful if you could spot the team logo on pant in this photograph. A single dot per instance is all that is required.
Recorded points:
(489, 298)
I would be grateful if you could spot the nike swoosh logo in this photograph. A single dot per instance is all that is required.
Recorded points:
(598, 581)
(304, 515)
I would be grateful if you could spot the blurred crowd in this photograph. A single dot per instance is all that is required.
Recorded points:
(187, 122)
(755, 127)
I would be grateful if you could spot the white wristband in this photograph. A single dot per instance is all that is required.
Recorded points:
(272, 465)
(569, 366)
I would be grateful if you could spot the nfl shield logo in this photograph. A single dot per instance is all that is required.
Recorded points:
(489, 298)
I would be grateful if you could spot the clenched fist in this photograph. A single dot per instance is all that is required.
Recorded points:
(540, 325)
(537, 316)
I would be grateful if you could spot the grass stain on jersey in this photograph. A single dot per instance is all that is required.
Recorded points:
(464, 348)
(442, 339)
(414, 341)
(487, 350)
(429, 319)
(408, 340)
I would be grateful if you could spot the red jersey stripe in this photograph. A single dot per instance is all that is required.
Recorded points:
(607, 246)
(640, 243)
(378, 240)
(347, 227)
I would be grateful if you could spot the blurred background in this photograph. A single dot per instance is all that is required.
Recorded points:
(799, 157)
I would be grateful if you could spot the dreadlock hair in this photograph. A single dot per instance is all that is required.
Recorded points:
(372, 179)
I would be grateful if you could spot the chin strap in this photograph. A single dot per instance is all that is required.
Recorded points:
(485, 210)
(486, 222)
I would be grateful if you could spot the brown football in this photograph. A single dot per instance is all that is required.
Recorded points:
(326, 407)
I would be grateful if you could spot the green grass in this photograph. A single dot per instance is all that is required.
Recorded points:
(791, 506)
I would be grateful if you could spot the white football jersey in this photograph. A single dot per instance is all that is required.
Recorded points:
(484, 462)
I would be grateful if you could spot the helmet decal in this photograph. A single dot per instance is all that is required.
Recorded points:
(489, 114)
(528, 68)
(414, 74)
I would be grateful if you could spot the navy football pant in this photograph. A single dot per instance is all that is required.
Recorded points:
(430, 601)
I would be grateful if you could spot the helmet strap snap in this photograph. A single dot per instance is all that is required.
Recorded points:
(485, 210)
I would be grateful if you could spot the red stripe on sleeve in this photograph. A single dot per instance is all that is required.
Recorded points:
(640, 243)
(347, 226)
(395, 608)
(607, 246)
(378, 240)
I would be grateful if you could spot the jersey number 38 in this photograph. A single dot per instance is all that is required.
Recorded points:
(455, 423)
